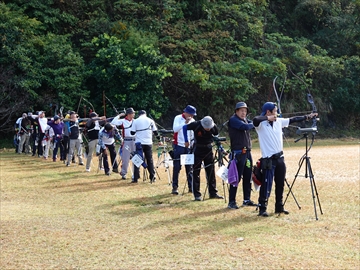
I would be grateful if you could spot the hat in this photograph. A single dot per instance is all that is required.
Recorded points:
(207, 122)
(72, 112)
(24, 115)
(129, 111)
(93, 114)
(268, 106)
(241, 105)
(142, 112)
(40, 112)
(190, 110)
(108, 127)
(56, 117)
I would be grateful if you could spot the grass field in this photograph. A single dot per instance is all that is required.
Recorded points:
(57, 217)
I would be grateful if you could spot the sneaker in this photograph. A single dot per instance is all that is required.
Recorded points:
(249, 203)
(115, 170)
(281, 210)
(107, 173)
(123, 177)
(175, 191)
(88, 170)
(67, 164)
(81, 163)
(198, 198)
(134, 181)
(233, 205)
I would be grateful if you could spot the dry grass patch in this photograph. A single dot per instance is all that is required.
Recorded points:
(57, 217)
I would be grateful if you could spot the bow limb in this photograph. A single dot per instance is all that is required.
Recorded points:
(277, 96)
(112, 105)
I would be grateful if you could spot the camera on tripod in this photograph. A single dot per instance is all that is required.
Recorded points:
(219, 139)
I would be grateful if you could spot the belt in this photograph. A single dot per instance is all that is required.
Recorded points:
(277, 155)
(129, 139)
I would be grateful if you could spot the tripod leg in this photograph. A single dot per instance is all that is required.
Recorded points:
(313, 187)
(292, 194)
(292, 184)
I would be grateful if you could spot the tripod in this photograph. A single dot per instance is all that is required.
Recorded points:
(308, 173)
(164, 158)
(220, 156)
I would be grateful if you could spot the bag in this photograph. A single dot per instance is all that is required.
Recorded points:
(257, 174)
(233, 176)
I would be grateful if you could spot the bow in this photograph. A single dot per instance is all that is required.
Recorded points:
(278, 98)
(114, 108)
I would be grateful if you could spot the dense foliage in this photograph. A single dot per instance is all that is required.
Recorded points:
(162, 55)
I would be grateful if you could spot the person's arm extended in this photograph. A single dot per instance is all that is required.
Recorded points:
(258, 119)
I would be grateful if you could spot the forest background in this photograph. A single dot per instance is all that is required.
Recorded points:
(160, 55)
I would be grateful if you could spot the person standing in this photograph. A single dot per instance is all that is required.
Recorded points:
(240, 143)
(128, 145)
(24, 134)
(93, 126)
(75, 137)
(144, 127)
(204, 130)
(57, 126)
(107, 136)
(42, 124)
(179, 146)
(269, 129)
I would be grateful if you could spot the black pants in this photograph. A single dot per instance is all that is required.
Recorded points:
(40, 146)
(245, 172)
(148, 157)
(178, 151)
(112, 151)
(279, 171)
(207, 156)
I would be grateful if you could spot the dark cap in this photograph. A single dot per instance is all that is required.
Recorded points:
(93, 114)
(108, 127)
(268, 106)
(190, 110)
(56, 117)
(142, 112)
(72, 112)
(129, 111)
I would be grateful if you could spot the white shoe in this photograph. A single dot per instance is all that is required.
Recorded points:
(88, 170)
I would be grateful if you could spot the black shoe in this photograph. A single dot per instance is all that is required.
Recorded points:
(198, 198)
(279, 211)
(175, 191)
(81, 163)
(123, 177)
(134, 181)
(216, 196)
(249, 203)
(263, 214)
(190, 190)
(115, 170)
(107, 173)
(233, 205)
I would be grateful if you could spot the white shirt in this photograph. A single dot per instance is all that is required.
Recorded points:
(270, 137)
(144, 127)
(179, 122)
(126, 126)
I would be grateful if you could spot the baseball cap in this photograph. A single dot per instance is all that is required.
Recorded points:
(207, 122)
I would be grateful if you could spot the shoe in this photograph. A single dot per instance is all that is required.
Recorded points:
(281, 210)
(263, 214)
(233, 205)
(67, 165)
(175, 191)
(73, 161)
(81, 163)
(88, 170)
(115, 170)
(249, 203)
(54, 159)
(153, 180)
(107, 173)
(198, 198)
(134, 181)
(216, 196)
(190, 190)
(123, 177)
